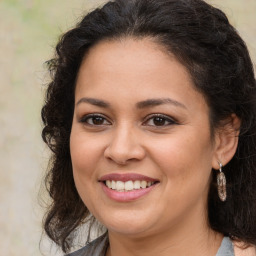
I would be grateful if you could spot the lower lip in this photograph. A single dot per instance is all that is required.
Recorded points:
(126, 196)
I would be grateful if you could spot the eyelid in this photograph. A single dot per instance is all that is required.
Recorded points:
(91, 115)
(166, 117)
(170, 120)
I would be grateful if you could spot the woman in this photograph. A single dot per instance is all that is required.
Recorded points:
(151, 118)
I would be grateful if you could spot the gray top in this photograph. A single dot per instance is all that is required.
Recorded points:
(99, 246)
(226, 248)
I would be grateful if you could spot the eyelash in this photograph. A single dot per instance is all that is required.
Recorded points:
(85, 119)
(163, 118)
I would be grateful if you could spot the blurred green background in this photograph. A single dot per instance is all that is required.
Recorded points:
(29, 30)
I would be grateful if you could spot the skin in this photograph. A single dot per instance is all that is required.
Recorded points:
(180, 152)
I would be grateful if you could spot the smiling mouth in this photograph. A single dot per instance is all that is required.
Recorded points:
(129, 185)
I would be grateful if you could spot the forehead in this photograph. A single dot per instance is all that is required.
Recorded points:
(110, 54)
(134, 69)
(131, 59)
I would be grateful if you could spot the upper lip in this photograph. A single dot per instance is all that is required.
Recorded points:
(126, 177)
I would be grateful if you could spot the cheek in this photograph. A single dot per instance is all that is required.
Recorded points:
(184, 156)
(85, 154)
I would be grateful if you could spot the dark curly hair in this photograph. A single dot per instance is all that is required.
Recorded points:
(202, 39)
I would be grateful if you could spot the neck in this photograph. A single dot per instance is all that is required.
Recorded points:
(194, 238)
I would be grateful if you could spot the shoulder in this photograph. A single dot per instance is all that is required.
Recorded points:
(241, 251)
(96, 248)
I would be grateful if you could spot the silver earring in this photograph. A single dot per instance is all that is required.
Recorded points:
(221, 182)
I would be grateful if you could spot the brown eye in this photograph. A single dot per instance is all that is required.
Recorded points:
(159, 120)
(96, 120)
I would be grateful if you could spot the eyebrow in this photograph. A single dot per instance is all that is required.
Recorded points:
(142, 104)
(95, 102)
(157, 102)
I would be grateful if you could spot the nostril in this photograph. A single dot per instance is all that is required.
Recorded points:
(124, 149)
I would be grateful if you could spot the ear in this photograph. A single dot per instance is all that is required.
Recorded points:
(226, 141)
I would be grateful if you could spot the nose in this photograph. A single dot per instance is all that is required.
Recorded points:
(125, 146)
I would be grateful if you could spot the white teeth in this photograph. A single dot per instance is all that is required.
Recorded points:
(128, 185)
(143, 184)
(113, 184)
(136, 184)
(109, 183)
(119, 185)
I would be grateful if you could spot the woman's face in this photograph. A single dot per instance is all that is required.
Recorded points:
(140, 143)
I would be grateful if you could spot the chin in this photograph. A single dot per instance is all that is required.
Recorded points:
(129, 224)
(129, 230)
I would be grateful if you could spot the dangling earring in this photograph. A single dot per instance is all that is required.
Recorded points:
(221, 181)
